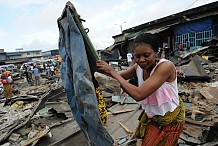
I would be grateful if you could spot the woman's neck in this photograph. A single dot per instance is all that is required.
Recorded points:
(152, 66)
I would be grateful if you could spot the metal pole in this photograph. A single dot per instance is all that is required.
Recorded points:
(121, 28)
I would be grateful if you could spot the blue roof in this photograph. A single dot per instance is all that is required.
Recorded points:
(50, 50)
(30, 51)
(13, 53)
(20, 52)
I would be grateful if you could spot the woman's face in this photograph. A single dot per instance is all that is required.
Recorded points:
(144, 56)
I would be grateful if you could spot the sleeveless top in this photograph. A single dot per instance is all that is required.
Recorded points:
(164, 99)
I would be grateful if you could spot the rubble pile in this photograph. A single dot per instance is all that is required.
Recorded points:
(33, 115)
(201, 101)
(198, 89)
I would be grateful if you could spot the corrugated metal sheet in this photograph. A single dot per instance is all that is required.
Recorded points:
(152, 31)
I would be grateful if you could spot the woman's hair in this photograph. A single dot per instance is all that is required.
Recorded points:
(146, 38)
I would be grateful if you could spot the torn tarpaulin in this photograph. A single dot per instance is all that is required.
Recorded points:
(78, 78)
(195, 70)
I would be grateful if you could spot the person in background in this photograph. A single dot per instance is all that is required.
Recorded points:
(31, 66)
(180, 48)
(187, 45)
(52, 69)
(57, 74)
(1, 88)
(167, 52)
(10, 80)
(44, 67)
(36, 75)
(27, 76)
(163, 53)
(6, 85)
(133, 61)
(162, 119)
(48, 70)
(129, 58)
(134, 79)
(7, 72)
(30, 74)
(40, 67)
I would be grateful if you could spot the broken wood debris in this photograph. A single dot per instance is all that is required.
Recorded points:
(120, 111)
(199, 91)
(24, 123)
(125, 128)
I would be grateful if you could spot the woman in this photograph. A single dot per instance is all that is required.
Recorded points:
(57, 74)
(6, 85)
(163, 114)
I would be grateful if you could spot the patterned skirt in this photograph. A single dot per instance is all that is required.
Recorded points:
(7, 90)
(162, 136)
(161, 130)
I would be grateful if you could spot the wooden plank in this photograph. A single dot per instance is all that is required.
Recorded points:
(39, 135)
(120, 111)
(125, 128)
(199, 123)
(129, 119)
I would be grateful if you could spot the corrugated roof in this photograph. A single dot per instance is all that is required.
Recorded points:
(17, 60)
(13, 53)
(112, 46)
(152, 31)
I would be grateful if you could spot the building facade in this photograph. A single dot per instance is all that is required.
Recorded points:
(191, 28)
(51, 54)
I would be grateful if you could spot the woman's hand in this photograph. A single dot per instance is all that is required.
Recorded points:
(102, 65)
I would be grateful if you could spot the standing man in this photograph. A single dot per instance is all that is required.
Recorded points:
(187, 45)
(180, 49)
(27, 76)
(52, 69)
(129, 58)
(167, 52)
(36, 75)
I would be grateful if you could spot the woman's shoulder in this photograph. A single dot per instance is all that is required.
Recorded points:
(134, 66)
(165, 66)
(165, 62)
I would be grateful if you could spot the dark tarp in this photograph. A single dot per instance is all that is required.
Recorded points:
(195, 70)
(191, 27)
(78, 79)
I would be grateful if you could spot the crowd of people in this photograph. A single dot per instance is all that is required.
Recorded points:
(30, 72)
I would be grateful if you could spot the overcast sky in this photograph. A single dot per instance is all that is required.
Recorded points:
(32, 24)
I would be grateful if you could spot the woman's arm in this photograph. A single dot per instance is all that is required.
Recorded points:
(129, 73)
(160, 75)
